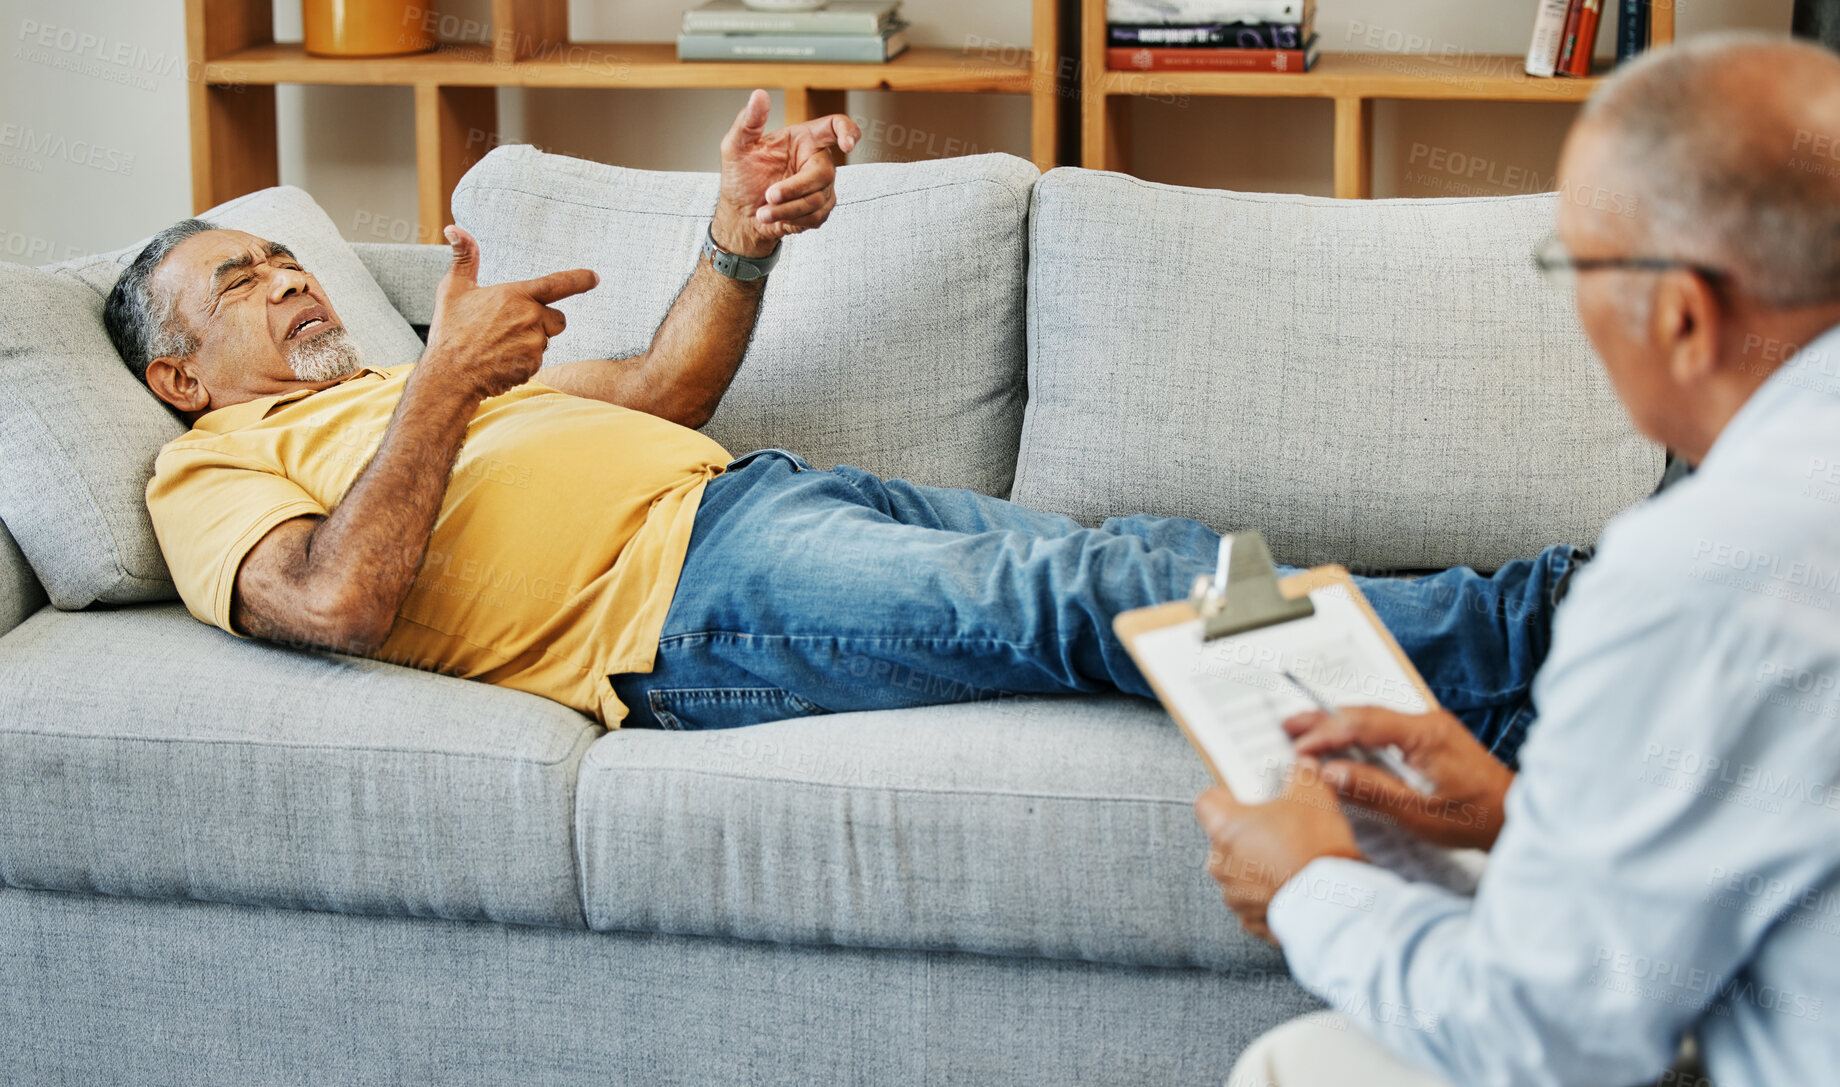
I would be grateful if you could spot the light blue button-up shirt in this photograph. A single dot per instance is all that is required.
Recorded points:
(1671, 859)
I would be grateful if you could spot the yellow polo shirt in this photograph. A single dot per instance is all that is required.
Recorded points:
(553, 560)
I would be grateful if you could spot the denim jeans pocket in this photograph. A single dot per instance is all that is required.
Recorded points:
(799, 464)
(695, 708)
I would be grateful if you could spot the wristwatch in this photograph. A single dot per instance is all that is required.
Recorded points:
(735, 266)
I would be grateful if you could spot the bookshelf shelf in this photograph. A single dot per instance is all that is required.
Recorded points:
(1354, 81)
(614, 65)
(230, 43)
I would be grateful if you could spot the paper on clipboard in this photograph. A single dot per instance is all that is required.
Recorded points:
(1232, 696)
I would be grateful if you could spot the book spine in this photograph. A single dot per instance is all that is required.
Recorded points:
(1590, 17)
(1568, 44)
(1631, 29)
(1207, 60)
(1548, 32)
(768, 22)
(815, 47)
(1210, 35)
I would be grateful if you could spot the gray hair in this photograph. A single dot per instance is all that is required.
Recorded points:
(145, 324)
(1718, 174)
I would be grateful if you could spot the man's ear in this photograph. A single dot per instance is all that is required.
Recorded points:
(173, 381)
(1688, 324)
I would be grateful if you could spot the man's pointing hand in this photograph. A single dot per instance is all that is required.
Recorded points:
(492, 339)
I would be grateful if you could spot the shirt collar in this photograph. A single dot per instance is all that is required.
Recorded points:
(237, 416)
(1812, 371)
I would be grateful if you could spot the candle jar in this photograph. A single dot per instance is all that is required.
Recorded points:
(368, 28)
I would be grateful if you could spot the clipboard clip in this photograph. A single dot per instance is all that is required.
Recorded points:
(1254, 600)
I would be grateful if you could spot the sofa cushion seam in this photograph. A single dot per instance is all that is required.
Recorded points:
(904, 789)
(4, 732)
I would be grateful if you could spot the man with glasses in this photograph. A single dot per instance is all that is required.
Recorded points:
(1669, 865)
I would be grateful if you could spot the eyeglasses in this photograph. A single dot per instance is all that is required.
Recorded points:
(1561, 269)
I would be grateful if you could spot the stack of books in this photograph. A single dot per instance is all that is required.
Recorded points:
(1211, 35)
(1565, 34)
(864, 31)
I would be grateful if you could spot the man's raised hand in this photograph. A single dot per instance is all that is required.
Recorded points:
(777, 183)
(492, 339)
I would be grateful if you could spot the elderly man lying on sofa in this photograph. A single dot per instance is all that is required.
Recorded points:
(649, 576)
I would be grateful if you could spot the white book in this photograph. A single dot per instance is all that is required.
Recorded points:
(1548, 35)
(836, 17)
(1154, 12)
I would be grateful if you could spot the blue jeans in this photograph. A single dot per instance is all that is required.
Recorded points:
(809, 591)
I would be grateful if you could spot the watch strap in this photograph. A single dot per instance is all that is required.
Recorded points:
(734, 265)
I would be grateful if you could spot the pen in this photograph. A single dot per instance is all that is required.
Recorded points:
(1388, 758)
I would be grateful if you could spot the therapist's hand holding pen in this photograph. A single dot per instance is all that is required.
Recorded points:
(1469, 786)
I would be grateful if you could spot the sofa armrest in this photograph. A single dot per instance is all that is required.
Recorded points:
(20, 592)
(408, 275)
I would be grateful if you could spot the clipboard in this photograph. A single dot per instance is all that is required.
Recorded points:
(1131, 626)
(1155, 643)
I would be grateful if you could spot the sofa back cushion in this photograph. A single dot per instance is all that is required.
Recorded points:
(891, 339)
(79, 432)
(1385, 383)
(20, 592)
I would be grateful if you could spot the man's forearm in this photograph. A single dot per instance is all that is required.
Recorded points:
(359, 564)
(692, 358)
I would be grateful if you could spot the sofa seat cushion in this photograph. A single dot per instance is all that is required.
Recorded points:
(143, 753)
(1060, 828)
(892, 339)
(1382, 383)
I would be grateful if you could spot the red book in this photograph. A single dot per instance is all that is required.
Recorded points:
(1568, 41)
(1211, 60)
(1590, 17)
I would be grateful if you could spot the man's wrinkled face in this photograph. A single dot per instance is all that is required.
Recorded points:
(263, 324)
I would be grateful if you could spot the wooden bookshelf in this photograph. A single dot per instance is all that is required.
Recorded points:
(1353, 81)
(231, 44)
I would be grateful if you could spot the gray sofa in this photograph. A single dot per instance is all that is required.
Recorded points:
(230, 862)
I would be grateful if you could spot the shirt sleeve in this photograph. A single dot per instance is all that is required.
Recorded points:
(209, 508)
(1588, 950)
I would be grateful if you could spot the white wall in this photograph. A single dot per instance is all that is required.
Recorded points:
(93, 151)
(104, 79)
